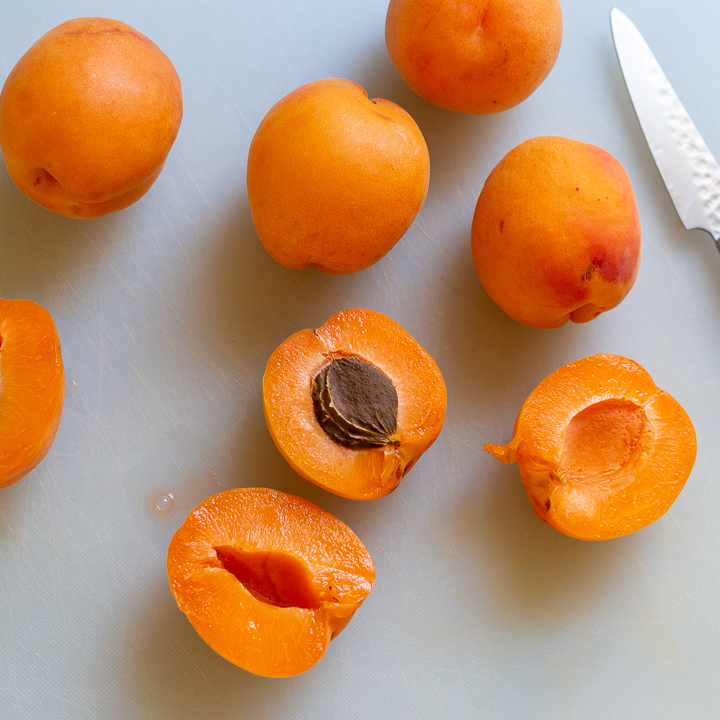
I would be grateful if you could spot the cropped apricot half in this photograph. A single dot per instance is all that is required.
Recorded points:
(267, 579)
(32, 387)
(353, 404)
(602, 450)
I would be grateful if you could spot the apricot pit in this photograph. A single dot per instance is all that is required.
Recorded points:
(355, 403)
(602, 450)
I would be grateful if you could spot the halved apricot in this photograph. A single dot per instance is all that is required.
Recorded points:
(32, 387)
(602, 450)
(353, 404)
(267, 579)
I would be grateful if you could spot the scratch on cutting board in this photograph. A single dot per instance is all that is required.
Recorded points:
(389, 558)
(210, 206)
(23, 524)
(147, 388)
(53, 554)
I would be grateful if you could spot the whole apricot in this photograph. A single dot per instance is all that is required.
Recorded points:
(353, 404)
(267, 579)
(602, 450)
(88, 116)
(474, 56)
(32, 387)
(335, 179)
(556, 233)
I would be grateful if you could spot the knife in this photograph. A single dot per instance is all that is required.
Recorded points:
(688, 168)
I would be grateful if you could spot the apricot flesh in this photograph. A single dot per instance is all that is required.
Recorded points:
(474, 56)
(267, 579)
(335, 179)
(365, 471)
(32, 387)
(602, 451)
(556, 233)
(88, 116)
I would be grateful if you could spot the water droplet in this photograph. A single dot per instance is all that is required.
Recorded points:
(164, 502)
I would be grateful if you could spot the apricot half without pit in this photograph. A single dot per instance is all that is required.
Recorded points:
(267, 579)
(32, 387)
(353, 404)
(602, 450)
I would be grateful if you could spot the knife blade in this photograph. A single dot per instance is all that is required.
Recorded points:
(690, 172)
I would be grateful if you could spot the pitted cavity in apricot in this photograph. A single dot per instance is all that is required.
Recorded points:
(602, 450)
(32, 387)
(267, 579)
(353, 404)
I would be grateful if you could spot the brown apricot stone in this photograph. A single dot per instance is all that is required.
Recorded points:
(602, 450)
(353, 404)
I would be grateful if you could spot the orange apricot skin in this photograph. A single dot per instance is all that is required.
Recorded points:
(32, 387)
(88, 116)
(335, 179)
(357, 474)
(556, 233)
(614, 503)
(262, 638)
(474, 56)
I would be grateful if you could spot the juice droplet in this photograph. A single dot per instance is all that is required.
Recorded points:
(164, 502)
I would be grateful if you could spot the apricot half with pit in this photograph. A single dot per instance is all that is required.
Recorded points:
(353, 404)
(602, 450)
(267, 579)
(32, 387)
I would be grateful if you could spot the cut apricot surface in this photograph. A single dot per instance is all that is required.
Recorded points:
(267, 579)
(353, 404)
(32, 387)
(602, 450)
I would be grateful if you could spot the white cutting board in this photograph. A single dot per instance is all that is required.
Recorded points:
(168, 311)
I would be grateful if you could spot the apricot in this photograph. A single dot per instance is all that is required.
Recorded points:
(335, 179)
(353, 404)
(556, 233)
(267, 579)
(474, 56)
(602, 450)
(88, 116)
(32, 387)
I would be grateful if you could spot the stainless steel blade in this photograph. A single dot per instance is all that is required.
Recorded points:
(688, 168)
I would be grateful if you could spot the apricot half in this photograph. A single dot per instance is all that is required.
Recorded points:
(353, 404)
(335, 179)
(267, 579)
(556, 233)
(88, 116)
(32, 387)
(602, 450)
